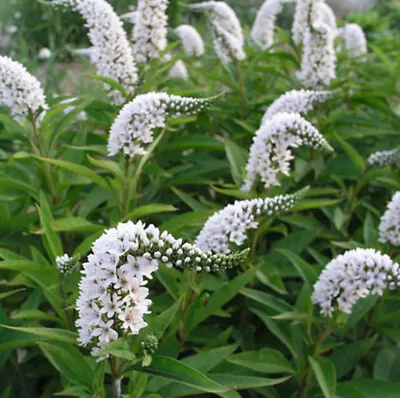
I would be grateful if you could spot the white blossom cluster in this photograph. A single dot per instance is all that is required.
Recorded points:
(270, 154)
(191, 40)
(111, 52)
(354, 40)
(353, 275)
(227, 31)
(318, 64)
(19, 90)
(65, 264)
(149, 33)
(231, 223)
(179, 71)
(133, 127)
(385, 158)
(322, 12)
(113, 298)
(296, 101)
(263, 29)
(389, 228)
(302, 19)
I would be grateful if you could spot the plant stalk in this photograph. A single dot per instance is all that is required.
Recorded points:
(116, 379)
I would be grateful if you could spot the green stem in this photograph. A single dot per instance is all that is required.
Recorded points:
(68, 313)
(116, 379)
(127, 188)
(38, 145)
(242, 89)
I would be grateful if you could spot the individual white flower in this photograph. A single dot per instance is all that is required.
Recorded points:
(354, 40)
(353, 275)
(44, 54)
(389, 228)
(385, 158)
(179, 71)
(270, 154)
(19, 90)
(113, 299)
(112, 54)
(263, 30)
(133, 127)
(227, 31)
(191, 40)
(150, 30)
(296, 101)
(318, 64)
(323, 13)
(232, 222)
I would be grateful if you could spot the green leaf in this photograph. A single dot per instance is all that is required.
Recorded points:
(174, 370)
(373, 388)
(270, 301)
(325, 373)
(147, 210)
(236, 158)
(52, 239)
(78, 169)
(7, 294)
(266, 360)
(355, 157)
(109, 82)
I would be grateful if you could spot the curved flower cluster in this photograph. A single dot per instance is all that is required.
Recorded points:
(296, 101)
(270, 155)
(354, 275)
(66, 264)
(113, 298)
(302, 18)
(264, 26)
(318, 64)
(385, 158)
(179, 71)
(231, 223)
(150, 30)
(191, 40)
(111, 53)
(227, 31)
(354, 39)
(19, 90)
(322, 12)
(389, 228)
(134, 125)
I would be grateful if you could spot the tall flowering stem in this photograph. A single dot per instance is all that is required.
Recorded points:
(113, 298)
(111, 52)
(270, 155)
(231, 224)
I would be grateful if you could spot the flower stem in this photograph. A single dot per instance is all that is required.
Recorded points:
(127, 189)
(116, 379)
(242, 88)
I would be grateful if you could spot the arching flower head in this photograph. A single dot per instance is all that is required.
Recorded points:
(133, 127)
(353, 275)
(19, 90)
(354, 40)
(270, 154)
(389, 228)
(323, 13)
(191, 40)
(263, 30)
(111, 52)
(318, 64)
(385, 158)
(296, 101)
(150, 30)
(113, 297)
(179, 71)
(303, 17)
(231, 224)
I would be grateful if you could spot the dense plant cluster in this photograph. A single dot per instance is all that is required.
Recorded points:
(214, 209)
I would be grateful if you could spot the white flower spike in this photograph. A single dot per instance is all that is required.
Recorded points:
(270, 154)
(150, 30)
(353, 275)
(263, 30)
(111, 52)
(133, 127)
(230, 224)
(296, 101)
(302, 18)
(385, 158)
(113, 298)
(191, 40)
(389, 228)
(19, 90)
(354, 39)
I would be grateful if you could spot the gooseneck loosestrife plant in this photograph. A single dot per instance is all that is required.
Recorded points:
(159, 239)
